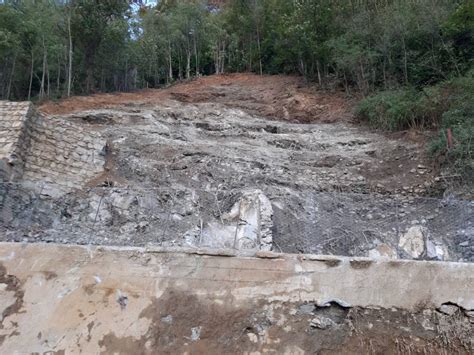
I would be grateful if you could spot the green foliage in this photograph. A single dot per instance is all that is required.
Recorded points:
(392, 110)
(362, 46)
(449, 104)
(459, 117)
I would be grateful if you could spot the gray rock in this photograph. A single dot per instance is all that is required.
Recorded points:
(168, 319)
(383, 251)
(307, 308)
(195, 333)
(322, 322)
(448, 309)
(434, 251)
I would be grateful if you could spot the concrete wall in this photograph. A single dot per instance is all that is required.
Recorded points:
(70, 299)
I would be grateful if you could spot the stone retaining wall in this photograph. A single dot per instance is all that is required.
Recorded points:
(53, 155)
(63, 156)
(14, 142)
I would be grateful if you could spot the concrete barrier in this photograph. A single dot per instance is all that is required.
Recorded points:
(67, 299)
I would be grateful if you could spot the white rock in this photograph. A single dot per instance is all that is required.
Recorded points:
(321, 322)
(413, 241)
(195, 333)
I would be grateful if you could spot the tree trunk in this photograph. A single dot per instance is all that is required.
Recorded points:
(259, 52)
(222, 60)
(196, 56)
(11, 77)
(31, 74)
(216, 58)
(170, 69)
(58, 77)
(126, 76)
(188, 63)
(320, 81)
(42, 92)
(47, 76)
(405, 61)
(180, 68)
(69, 74)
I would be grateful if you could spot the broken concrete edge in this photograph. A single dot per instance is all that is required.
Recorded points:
(323, 279)
(330, 260)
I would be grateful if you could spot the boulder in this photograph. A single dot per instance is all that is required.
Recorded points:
(413, 241)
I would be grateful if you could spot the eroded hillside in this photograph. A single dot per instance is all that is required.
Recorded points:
(230, 161)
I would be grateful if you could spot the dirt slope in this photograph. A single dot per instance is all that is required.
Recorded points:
(283, 98)
(275, 97)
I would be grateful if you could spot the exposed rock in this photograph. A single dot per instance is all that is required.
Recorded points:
(195, 333)
(413, 241)
(383, 251)
(254, 228)
(321, 322)
(306, 308)
(435, 251)
(448, 309)
(170, 171)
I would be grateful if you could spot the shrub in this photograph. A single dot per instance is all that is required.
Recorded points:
(449, 104)
(391, 110)
(459, 117)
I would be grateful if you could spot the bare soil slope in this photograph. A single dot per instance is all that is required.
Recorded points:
(274, 97)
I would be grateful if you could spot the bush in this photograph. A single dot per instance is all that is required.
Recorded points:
(392, 110)
(459, 117)
(449, 104)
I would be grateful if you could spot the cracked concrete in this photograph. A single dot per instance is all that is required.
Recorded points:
(130, 300)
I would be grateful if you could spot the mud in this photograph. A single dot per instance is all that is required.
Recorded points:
(289, 328)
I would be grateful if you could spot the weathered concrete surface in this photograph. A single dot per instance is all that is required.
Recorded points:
(71, 299)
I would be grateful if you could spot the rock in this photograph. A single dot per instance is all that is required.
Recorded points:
(254, 221)
(321, 322)
(168, 319)
(469, 314)
(448, 309)
(307, 308)
(413, 241)
(383, 251)
(195, 333)
(435, 252)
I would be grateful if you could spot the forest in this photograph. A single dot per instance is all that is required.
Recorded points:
(409, 61)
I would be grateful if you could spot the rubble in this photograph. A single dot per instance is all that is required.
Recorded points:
(321, 323)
